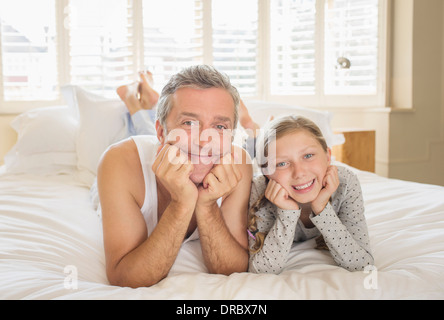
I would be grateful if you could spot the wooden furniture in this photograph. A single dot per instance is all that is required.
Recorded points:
(358, 150)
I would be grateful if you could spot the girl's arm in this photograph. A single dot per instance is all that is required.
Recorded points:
(279, 226)
(273, 255)
(345, 232)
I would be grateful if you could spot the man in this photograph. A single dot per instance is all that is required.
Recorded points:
(154, 196)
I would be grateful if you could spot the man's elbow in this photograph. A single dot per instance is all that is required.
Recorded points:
(227, 269)
(118, 279)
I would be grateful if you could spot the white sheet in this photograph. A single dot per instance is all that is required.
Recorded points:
(50, 235)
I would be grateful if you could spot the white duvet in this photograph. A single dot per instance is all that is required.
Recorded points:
(51, 248)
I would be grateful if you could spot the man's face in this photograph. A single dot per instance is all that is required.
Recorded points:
(200, 124)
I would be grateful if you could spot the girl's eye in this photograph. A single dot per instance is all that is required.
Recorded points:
(308, 156)
(221, 127)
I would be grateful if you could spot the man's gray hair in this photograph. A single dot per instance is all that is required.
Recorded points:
(198, 77)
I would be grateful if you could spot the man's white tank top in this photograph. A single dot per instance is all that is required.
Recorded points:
(147, 147)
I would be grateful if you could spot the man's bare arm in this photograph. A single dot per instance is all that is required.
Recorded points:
(222, 230)
(133, 259)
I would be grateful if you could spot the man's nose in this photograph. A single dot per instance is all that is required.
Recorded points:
(205, 136)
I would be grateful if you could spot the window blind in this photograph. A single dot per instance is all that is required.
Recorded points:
(293, 64)
(100, 44)
(28, 51)
(173, 37)
(351, 46)
(309, 49)
(235, 42)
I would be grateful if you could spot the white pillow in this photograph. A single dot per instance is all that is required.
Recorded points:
(261, 112)
(46, 142)
(101, 123)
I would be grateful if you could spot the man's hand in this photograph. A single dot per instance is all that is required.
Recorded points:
(173, 169)
(330, 184)
(277, 195)
(220, 181)
(222, 229)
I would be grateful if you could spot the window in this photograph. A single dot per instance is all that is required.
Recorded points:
(293, 47)
(235, 42)
(327, 52)
(173, 38)
(305, 52)
(351, 46)
(28, 51)
(100, 44)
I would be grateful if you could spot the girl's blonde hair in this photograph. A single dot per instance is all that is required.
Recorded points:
(274, 130)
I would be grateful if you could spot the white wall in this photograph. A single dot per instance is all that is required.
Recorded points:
(416, 141)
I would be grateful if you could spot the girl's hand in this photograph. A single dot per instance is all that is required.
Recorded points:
(277, 195)
(330, 184)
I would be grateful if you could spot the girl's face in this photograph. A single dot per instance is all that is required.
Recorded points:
(301, 164)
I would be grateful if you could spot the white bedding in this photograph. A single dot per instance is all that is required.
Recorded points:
(51, 248)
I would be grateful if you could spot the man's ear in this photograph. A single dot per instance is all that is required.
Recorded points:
(160, 132)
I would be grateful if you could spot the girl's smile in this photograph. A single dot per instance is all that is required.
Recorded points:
(301, 164)
(305, 187)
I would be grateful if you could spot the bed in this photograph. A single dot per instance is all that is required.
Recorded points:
(51, 243)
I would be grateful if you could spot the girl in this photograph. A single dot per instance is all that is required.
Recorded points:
(302, 196)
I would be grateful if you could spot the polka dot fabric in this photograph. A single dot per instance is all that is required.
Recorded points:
(342, 224)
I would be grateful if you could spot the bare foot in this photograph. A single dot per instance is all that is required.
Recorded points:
(246, 121)
(148, 96)
(128, 94)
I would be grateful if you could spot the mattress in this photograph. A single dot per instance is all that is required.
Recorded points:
(51, 247)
